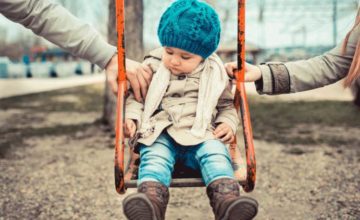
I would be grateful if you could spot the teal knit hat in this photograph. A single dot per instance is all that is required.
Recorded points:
(192, 26)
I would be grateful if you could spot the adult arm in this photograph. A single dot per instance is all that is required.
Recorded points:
(60, 27)
(290, 77)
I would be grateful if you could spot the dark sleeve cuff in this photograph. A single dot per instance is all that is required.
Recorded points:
(275, 79)
(259, 85)
(280, 78)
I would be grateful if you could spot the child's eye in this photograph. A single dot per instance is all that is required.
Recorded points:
(185, 58)
(169, 52)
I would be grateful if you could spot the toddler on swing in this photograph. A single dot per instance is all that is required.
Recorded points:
(188, 116)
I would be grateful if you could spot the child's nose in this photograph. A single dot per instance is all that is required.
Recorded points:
(175, 61)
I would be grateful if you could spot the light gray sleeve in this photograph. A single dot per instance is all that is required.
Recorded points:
(56, 24)
(309, 74)
(133, 109)
(226, 110)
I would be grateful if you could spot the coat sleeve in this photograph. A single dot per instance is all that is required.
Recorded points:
(56, 24)
(290, 77)
(226, 110)
(133, 109)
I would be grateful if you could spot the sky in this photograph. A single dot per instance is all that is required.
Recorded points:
(299, 22)
(284, 22)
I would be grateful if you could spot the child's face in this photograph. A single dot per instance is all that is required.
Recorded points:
(180, 61)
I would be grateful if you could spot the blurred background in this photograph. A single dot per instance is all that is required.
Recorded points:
(277, 30)
(56, 121)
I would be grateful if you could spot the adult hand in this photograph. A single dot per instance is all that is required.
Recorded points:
(138, 75)
(111, 71)
(252, 72)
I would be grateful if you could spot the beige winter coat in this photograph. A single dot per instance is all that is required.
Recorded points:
(57, 25)
(178, 108)
(308, 74)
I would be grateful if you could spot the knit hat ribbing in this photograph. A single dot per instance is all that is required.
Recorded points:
(190, 25)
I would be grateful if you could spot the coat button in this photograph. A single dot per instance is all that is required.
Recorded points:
(181, 77)
(170, 118)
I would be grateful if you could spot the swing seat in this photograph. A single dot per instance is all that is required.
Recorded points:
(184, 176)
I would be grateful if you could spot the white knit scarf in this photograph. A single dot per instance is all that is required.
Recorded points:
(213, 80)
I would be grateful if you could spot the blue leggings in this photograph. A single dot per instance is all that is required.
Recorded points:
(157, 161)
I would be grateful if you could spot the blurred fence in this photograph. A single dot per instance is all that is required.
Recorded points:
(9, 69)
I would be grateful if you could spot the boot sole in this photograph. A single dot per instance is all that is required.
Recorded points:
(138, 207)
(245, 208)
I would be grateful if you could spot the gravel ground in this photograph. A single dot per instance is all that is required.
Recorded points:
(56, 162)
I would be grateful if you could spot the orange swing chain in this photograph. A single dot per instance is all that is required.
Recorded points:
(241, 101)
(119, 138)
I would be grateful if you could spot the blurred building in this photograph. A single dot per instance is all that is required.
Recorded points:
(228, 51)
(275, 29)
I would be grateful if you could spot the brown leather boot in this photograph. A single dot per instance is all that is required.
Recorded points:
(149, 203)
(224, 195)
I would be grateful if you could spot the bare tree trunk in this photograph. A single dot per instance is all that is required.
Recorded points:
(134, 29)
(134, 47)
